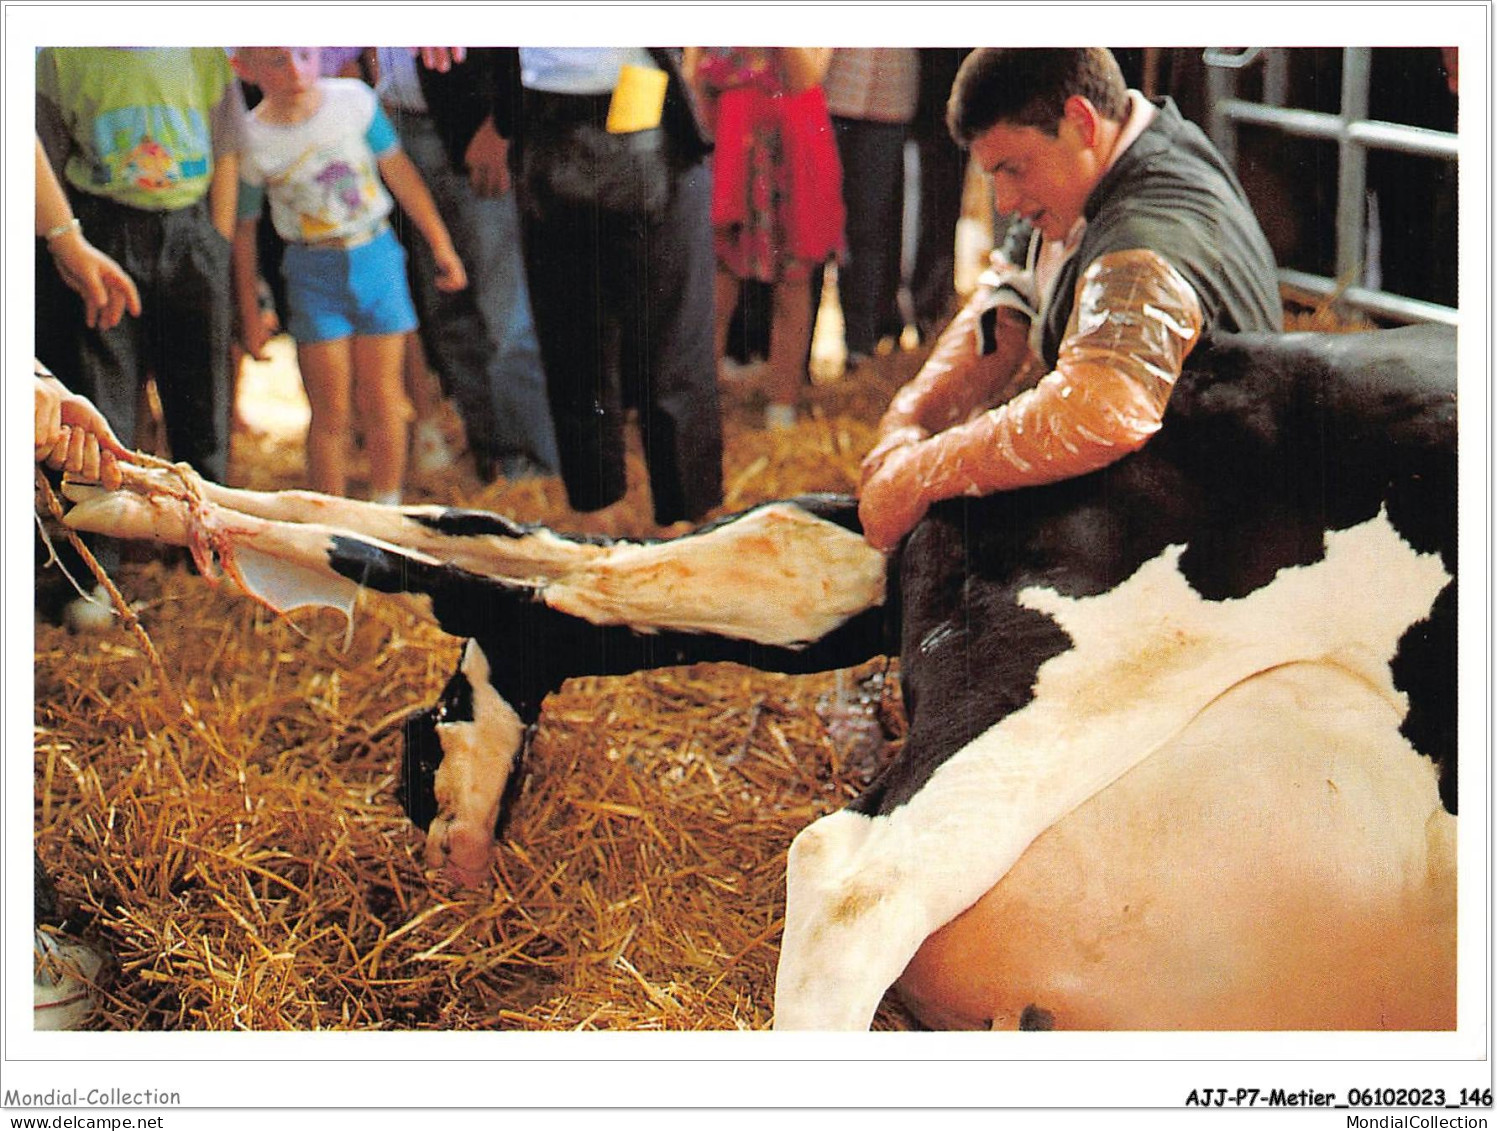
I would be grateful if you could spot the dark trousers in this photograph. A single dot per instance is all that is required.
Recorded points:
(181, 266)
(180, 263)
(943, 164)
(623, 312)
(873, 192)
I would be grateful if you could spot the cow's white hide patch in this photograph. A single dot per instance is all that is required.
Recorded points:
(1147, 657)
(1284, 862)
(478, 756)
(1155, 632)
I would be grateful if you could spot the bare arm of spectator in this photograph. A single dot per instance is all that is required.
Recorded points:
(804, 67)
(107, 291)
(253, 331)
(223, 189)
(411, 193)
(223, 194)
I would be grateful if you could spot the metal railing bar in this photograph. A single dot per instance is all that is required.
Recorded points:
(1331, 127)
(1380, 303)
(1351, 168)
(1221, 57)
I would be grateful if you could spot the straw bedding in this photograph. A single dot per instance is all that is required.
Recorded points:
(247, 865)
(231, 837)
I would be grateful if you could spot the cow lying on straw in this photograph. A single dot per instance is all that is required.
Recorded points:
(1165, 721)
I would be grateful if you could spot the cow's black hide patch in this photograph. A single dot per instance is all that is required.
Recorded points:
(1270, 442)
(419, 760)
(456, 522)
(423, 749)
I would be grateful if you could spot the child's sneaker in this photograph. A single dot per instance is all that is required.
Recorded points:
(430, 452)
(90, 612)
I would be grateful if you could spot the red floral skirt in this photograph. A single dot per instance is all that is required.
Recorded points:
(777, 184)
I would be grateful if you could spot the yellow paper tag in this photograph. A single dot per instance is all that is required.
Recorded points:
(637, 100)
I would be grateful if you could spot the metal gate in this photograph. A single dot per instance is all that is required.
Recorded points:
(1354, 135)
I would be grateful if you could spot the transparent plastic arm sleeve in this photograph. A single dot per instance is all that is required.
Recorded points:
(969, 367)
(1134, 323)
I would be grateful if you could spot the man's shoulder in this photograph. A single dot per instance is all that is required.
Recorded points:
(1171, 143)
(1171, 176)
(1177, 196)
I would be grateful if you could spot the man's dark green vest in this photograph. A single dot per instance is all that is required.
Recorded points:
(1172, 192)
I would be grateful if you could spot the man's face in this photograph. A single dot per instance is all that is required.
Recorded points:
(1044, 179)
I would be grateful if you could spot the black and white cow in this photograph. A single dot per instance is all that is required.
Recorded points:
(1160, 768)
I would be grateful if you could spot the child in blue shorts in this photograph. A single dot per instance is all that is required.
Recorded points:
(323, 151)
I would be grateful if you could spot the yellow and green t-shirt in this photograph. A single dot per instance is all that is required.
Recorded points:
(138, 125)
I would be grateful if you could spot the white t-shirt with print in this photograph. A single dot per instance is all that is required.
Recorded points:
(321, 174)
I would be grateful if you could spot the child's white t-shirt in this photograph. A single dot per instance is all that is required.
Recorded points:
(320, 174)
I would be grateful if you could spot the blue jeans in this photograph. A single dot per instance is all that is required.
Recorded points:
(482, 339)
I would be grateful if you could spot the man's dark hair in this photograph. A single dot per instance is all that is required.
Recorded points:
(1028, 86)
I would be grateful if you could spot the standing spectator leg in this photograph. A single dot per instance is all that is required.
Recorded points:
(789, 347)
(327, 375)
(379, 390)
(517, 378)
(482, 340)
(567, 267)
(668, 350)
(873, 192)
(932, 284)
(430, 453)
(189, 341)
